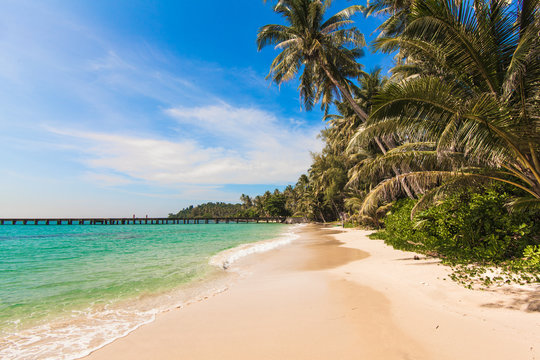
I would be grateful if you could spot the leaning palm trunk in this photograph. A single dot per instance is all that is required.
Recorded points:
(363, 116)
(322, 50)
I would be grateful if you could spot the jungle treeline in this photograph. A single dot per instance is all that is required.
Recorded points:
(443, 151)
(453, 129)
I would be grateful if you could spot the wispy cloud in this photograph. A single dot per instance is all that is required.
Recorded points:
(98, 115)
(253, 148)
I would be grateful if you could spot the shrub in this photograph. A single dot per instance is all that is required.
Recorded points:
(466, 226)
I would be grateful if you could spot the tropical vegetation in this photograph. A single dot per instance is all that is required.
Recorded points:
(446, 148)
(269, 204)
(442, 153)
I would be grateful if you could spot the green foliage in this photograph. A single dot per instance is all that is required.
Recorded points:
(268, 204)
(275, 205)
(531, 255)
(530, 262)
(250, 213)
(209, 210)
(467, 81)
(323, 50)
(399, 228)
(466, 226)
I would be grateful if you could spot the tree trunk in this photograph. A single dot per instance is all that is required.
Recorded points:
(335, 208)
(362, 115)
(322, 216)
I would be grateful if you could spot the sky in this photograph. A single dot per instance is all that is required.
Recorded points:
(141, 107)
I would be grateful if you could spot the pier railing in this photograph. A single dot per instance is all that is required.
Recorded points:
(136, 221)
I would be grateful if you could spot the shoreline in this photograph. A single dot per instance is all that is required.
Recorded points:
(82, 332)
(456, 322)
(224, 259)
(334, 293)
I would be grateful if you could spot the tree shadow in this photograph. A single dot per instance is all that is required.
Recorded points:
(518, 299)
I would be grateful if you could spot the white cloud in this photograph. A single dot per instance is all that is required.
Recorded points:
(254, 148)
(59, 68)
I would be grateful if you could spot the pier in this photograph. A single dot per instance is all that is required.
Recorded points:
(137, 221)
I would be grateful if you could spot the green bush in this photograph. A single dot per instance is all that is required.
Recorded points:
(399, 230)
(466, 226)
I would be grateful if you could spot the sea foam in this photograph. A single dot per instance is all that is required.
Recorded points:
(227, 257)
(84, 331)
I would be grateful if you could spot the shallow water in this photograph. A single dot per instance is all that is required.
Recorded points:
(67, 289)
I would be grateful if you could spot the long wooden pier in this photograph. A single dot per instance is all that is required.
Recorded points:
(136, 221)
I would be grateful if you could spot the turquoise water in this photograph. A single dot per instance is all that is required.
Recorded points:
(74, 272)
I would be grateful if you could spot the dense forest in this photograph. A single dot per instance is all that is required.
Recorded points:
(208, 210)
(267, 205)
(443, 151)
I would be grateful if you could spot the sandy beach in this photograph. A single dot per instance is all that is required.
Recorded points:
(335, 294)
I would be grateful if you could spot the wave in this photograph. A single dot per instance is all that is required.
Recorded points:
(75, 337)
(227, 257)
(86, 331)
(83, 332)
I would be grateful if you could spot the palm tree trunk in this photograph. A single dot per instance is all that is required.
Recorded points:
(335, 208)
(322, 216)
(346, 94)
(362, 115)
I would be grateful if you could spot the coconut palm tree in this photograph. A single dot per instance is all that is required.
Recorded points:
(306, 203)
(325, 52)
(328, 176)
(246, 200)
(472, 112)
(344, 124)
(397, 12)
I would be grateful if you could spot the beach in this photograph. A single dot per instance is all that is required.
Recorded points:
(336, 294)
(68, 290)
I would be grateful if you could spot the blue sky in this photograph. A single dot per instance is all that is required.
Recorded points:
(115, 108)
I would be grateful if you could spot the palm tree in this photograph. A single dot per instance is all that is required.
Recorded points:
(397, 12)
(472, 112)
(305, 205)
(246, 201)
(328, 176)
(258, 203)
(325, 51)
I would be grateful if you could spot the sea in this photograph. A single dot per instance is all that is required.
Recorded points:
(66, 291)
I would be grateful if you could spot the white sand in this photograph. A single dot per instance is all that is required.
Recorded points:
(317, 299)
(445, 317)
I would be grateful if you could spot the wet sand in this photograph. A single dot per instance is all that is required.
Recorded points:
(333, 295)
